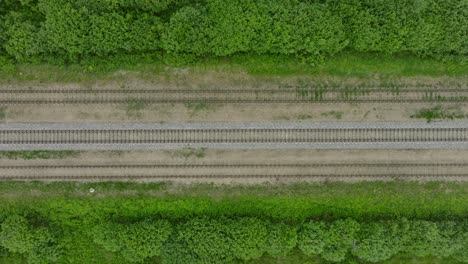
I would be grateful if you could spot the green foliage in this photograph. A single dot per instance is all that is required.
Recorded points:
(208, 239)
(248, 237)
(332, 242)
(380, 240)
(434, 239)
(187, 31)
(46, 249)
(6, 65)
(135, 242)
(281, 239)
(16, 235)
(339, 239)
(312, 238)
(22, 38)
(308, 30)
(461, 252)
(176, 251)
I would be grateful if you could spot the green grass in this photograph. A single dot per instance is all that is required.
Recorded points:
(191, 152)
(335, 114)
(368, 200)
(37, 154)
(360, 65)
(196, 108)
(135, 106)
(440, 113)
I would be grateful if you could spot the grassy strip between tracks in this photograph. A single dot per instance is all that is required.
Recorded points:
(74, 210)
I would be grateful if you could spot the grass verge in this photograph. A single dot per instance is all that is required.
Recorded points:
(359, 65)
(295, 202)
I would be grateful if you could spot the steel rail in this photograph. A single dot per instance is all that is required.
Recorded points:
(212, 176)
(279, 90)
(238, 135)
(188, 166)
(334, 95)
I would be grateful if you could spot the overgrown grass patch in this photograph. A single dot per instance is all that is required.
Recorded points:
(37, 154)
(196, 108)
(440, 113)
(2, 113)
(335, 114)
(191, 152)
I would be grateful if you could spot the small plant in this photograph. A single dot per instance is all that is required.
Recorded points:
(304, 116)
(37, 154)
(192, 152)
(2, 113)
(439, 112)
(336, 114)
(134, 107)
(196, 107)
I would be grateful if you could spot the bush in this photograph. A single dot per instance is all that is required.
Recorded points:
(208, 239)
(18, 236)
(339, 239)
(310, 30)
(7, 65)
(380, 241)
(312, 238)
(232, 240)
(281, 239)
(248, 237)
(135, 242)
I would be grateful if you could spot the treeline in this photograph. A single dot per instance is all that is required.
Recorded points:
(227, 240)
(69, 30)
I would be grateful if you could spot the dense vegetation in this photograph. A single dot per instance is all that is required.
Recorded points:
(123, 222)
(64, 31)
(225, 240)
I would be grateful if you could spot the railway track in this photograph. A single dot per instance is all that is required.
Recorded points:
(151, 96)
(165, 136)
(456, 171)
(244, 135)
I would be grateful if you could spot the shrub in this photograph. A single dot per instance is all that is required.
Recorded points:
(208, 239)
(135, 242)
(248, 237)
(16, 235)
(380, 241)
(281, 239)
(312, 238)
(339, 239)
